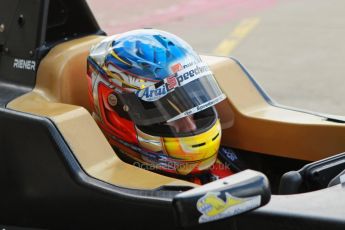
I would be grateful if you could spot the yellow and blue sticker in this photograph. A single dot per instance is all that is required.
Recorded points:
(214, 208)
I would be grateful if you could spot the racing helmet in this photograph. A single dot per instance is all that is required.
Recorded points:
(153, 97)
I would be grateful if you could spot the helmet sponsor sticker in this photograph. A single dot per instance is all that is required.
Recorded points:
(212, 207)
(199, 108)
(180, 78)
(177, 67)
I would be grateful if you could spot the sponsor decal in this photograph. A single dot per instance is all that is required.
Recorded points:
(171, 83)
(24, 64)
(199, 108)
(177, 67)
(181, 78)
(228, 153)
(212, 207)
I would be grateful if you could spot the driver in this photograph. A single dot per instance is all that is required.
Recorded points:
(154, 97)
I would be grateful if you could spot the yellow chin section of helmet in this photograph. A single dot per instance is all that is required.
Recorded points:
(199, 151)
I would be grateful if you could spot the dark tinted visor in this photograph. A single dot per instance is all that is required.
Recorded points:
(148, 106)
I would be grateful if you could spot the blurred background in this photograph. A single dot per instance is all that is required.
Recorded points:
(294, 48)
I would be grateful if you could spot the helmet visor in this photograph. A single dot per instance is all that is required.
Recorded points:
(172, 99)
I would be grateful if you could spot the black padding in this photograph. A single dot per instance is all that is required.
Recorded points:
(30, 29)
(313, 176)
(22, 35)
(290, 183)
(337, 179)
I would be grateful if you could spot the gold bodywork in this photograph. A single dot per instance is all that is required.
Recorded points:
(61, 95)
(263, 128)
(248, 121)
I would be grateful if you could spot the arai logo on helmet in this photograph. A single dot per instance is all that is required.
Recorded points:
(182, 77)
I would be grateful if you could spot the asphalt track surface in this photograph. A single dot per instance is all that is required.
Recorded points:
(295, 49)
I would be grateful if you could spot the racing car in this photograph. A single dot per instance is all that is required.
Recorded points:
(58, 170)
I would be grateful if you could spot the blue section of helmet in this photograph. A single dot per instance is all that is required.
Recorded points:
(95, 65)
(148, 53)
